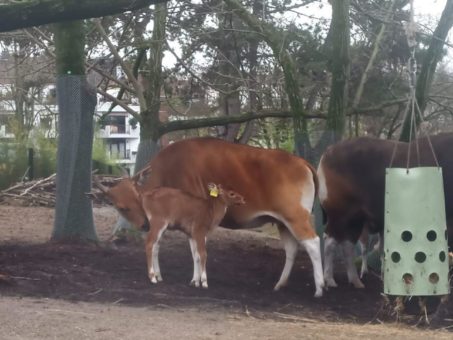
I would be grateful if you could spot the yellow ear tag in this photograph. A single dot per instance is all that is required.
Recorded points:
(214, 192)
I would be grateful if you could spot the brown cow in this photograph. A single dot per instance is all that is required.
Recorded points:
(352, 179)
(277, 186)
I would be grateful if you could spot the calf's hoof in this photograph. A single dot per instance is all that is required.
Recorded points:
(204, 285)
(155, 278)
(318, 293)
(195, 283)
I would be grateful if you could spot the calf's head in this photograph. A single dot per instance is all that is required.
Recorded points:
(230, 197)
(125, 197)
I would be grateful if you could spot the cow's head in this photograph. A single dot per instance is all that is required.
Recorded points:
(126, 198)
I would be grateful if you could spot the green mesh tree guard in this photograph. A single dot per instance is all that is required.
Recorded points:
(415, 233)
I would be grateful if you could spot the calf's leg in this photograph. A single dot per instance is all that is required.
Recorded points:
(196, 264)
(152, 250)
(201, 249)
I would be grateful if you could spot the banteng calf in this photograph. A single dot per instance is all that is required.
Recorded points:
(196, 217)
(173, 208)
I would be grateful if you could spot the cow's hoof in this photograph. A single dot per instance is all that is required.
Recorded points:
(318, 293)
(363, 272)
(358, 284)
(195, 283)
(278, 286)
(204, 285)
(330, 283)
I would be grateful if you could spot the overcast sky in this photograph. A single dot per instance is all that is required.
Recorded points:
(427, 13)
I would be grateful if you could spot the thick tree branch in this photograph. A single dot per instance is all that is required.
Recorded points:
(27, 13)
(184, 124)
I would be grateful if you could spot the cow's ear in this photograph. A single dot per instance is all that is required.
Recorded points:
(140, 177)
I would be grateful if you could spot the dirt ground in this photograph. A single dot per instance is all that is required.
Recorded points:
(52, 291)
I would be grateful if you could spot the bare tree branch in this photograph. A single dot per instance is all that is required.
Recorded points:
(138, 88)
(28, 13)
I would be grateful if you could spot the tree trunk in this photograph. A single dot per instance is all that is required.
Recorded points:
(76, 103)
(433, 56)
(27, 13)
(150, 126)
(152, 79)
(340, 70)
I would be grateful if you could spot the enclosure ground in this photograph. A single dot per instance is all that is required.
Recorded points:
(102, 292)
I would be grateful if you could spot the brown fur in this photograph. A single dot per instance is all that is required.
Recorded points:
(193, 215)
(272, 182)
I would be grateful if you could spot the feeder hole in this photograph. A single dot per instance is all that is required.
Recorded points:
(433, 278)
(442, 256)
(420, 257)
(406, 236)
(431, 235)
(396, 257)
(408, 278)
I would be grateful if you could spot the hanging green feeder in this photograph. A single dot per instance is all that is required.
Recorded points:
(415, 233)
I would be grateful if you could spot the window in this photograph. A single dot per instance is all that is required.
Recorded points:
(117, 149)
(117, 124)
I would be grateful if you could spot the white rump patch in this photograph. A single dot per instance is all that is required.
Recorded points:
(308, 193)
(322, 193)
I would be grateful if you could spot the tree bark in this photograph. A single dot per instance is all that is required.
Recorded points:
(76, 104)
(27, 13)
(433, 56)
(340, 70)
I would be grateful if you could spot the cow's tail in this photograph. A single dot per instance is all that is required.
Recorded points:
(316, 181)
(315, 177)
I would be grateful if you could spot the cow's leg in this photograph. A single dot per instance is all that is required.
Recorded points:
(196, 264)
(363, 243)
(330, 244)
(299, 223)
(290, 244)
(349, 254)
(313, 248)
(152, 250)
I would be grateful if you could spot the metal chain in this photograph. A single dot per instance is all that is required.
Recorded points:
(412, 100)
